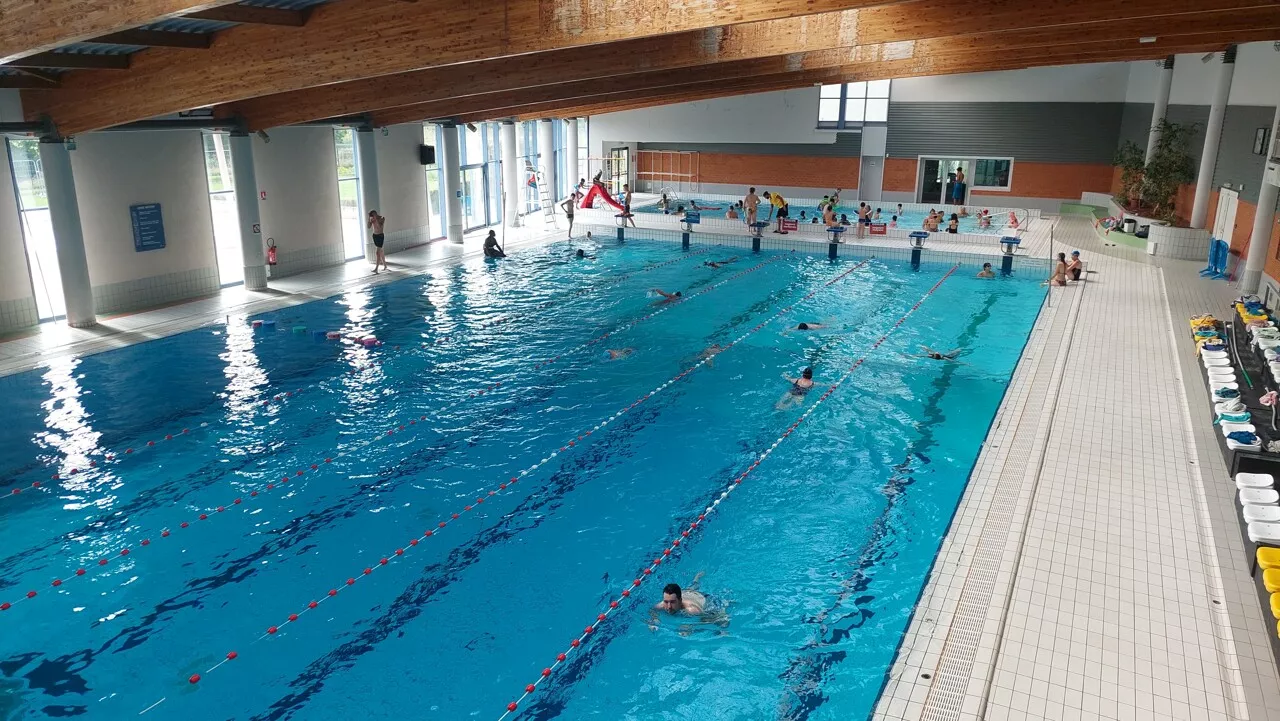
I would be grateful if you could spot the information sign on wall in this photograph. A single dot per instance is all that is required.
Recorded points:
(879, 229)
(148, 227)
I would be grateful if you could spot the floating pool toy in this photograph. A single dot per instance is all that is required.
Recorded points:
(269, 324)
(333, 335)
(370, 342)
(257, 324)
(300, 329)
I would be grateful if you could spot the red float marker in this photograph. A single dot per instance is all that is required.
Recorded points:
(733, 484)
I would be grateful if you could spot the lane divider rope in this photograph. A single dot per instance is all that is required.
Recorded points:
(411, 423)
(671, 547)
(514, 479)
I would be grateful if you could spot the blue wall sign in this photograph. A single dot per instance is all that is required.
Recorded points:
(148, 227)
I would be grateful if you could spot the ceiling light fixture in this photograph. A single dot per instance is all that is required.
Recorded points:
(1147, 40)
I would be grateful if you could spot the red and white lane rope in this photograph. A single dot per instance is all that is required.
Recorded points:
(499, 488)
(617, 601)
(404, 425)
(116, 456)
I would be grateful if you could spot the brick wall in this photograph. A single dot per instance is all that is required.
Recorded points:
(796, 171)
(1054, 180)
(900, 175)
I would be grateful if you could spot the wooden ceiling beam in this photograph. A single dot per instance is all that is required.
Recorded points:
(156, 39)
(35, 26)
(353, 39)
(929, 60)
(72, 61)
(769, 39)
(959, 63)
(923, 19)
(250, 15)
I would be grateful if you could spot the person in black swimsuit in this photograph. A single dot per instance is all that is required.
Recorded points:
(378, 223)
(800, 387)
(491, 249)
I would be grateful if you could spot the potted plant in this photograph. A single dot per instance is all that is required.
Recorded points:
(1169, 168)
(1130, 160)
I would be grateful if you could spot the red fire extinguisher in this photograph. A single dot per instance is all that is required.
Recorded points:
(271, 251)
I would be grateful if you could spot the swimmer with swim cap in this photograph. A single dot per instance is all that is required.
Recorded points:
(666, 297)
(810, 326)
(800, 387)
(617, 354)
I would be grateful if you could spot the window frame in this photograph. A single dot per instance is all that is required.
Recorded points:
(842, 122)
(992, 188)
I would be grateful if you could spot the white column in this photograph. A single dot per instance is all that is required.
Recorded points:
(571, 152)
(452, 180)
(1212, 135)
(510, 175)
(246, 179)
(1263, 217)
(547, 156)
(68, 235)
(367, 157)
(1162, 104)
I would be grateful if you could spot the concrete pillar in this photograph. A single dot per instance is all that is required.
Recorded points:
(547, 156)
(367, 157)
(68, 235)
(452, 180)
(510, 175)
(571, 153)
(1212, 135)
(246, 179)
(1162, 105)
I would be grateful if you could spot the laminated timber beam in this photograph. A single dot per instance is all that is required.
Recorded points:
(768, 39)
(945, 59)
(353, 39)
(28, 27)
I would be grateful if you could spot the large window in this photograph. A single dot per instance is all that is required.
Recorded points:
(37, 227)
(434, 136)
(353, 223)
(992, 173)
(527, 162)
(584, 160)
(851, 104)
(222, 202)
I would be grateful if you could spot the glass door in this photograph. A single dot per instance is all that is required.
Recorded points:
(616, 172)
(349, 201)
(930, 181)
(475, 200)
(37, 228)
(222, 203)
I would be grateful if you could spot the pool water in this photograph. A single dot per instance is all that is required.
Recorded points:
(907, 221)
(817, 559)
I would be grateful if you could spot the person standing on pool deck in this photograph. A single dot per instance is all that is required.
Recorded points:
(957, 188)
(626, 205)
(752, 203)
(568, 210)
(378, 223)
(1074, 267)
(779, 204)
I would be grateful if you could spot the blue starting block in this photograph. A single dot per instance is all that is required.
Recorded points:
(757, 228)
(833, 232)
(1010, 243)
(918, 238)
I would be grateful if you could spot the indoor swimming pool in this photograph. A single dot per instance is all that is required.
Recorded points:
(264, 523)
(909, 220)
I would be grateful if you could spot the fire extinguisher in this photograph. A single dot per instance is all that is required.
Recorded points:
(271, 251)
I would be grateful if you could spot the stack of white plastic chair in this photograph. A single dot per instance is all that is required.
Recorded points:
(1260, 506)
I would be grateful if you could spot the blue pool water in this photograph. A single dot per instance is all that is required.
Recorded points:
(817, 558)
(907, 221)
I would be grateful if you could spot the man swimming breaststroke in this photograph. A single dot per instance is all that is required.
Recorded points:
(687, 601)
(927, 352)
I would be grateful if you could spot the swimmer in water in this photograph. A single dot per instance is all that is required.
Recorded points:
(927, 352)
(687, 601)
(800, 387)
(720, 263)
(583, 254)
(666, 297)
(986, 271)
(810, 326)
(619, 353)
(709, 354)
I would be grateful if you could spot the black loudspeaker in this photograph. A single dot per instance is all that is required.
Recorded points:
(427, 154)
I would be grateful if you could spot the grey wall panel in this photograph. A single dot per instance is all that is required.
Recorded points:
(1043, 132)
(846, 145)
(1236, 162)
